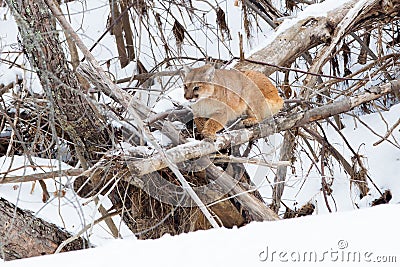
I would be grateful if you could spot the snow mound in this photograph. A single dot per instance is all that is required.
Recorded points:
(348, 238)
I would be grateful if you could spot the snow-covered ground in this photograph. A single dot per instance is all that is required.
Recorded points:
(357, 238)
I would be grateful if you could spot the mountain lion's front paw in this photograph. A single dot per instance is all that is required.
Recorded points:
(250, 122)
(208, 136)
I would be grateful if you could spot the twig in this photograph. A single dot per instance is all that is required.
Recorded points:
(301, 71)
(389, 132)
(324, 185)
(373, 131)
(40, 176)
(223, 158)
(84, 229)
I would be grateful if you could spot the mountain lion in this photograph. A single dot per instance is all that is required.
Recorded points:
(221, 96)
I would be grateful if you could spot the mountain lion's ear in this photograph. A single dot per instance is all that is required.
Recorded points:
(209, 72)
(185, 70)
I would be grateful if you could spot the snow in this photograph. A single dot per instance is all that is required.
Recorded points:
(350, 238)
(384, 159)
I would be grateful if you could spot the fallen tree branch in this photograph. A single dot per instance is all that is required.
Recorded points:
(40, 176)
(295, 40)
(233, 159)
(309, 32)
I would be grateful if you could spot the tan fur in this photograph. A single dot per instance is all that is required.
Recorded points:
(267, 88)
(224, 95)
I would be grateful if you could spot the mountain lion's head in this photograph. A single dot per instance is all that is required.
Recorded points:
(198, 82)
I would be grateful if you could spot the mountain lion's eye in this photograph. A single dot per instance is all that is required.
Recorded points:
(196, 88)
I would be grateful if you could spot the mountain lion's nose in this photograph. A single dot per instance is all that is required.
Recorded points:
(188, 95)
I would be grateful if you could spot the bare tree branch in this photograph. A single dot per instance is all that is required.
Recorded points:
(340, 30)
(39, 176)
(286, 153)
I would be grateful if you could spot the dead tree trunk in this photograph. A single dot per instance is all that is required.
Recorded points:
(78, 118)
(70, 107)
(286, 153)
(23, 235)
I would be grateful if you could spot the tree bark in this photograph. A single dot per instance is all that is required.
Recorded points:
(77, 116)
(23, 235)
(69, 104)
